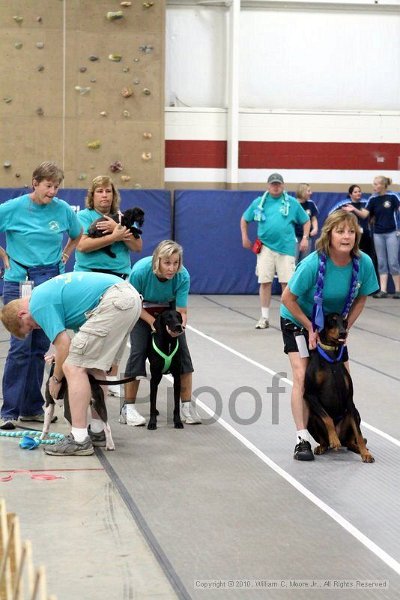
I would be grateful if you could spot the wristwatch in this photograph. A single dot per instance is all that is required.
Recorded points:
(56, 379)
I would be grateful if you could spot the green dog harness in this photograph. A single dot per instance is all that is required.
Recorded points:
(167, 357)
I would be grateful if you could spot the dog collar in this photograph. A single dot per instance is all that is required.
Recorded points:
(327, 357)
(167, 357)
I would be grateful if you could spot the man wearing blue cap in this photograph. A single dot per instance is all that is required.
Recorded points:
(276, 214)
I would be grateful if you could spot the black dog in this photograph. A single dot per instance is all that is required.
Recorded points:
(164, 355)
(334, 420)
(132, 218)
(97, 402)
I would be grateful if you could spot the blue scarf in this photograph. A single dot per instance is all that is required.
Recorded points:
(318, 313)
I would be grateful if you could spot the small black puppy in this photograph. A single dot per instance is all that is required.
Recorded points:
(164, 355)
(97, 402)
(132, 218)
(334, 420)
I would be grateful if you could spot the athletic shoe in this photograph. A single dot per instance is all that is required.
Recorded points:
(303, 451)
(130, 416)
(36, 418)
(8, 424)
(68, 446)
(380, 295)
(114, 390)
(262, 324)
(98, 439)
(189, 413)
(396, 295)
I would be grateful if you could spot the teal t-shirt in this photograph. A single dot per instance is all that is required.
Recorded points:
(336, 284)
(153, 290)
(62, 302)
(34, 233)
(85, 261)
(276, 230)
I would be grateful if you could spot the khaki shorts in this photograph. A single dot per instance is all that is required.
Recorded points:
(101, 341)
(270, 262)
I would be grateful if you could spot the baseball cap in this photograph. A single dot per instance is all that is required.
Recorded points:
(275, 178)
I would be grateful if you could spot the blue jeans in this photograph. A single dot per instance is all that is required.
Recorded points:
(24, 367)
(387, 252)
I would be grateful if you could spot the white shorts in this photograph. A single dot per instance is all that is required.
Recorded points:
(101, 340)
(270, 262)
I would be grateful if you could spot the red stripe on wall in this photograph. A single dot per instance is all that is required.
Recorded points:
(284, 155)
(195, 153)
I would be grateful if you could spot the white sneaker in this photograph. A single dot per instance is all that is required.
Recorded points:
(189, 413)
(114, 390)
(130, 416)
(262, 324)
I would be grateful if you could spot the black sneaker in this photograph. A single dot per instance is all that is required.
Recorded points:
(302, 451)
(98, 439)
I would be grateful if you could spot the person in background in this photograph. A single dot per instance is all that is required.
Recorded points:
(34, 225)
(276, 214)
(383, 208)
(103, 200)
(336, 278)
(355, 204)
(164, 283)
(85, 303)
(303, 195)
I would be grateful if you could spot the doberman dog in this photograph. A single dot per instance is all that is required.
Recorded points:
(164, 355)
(334, 420)
(97, 402)
(132, 218)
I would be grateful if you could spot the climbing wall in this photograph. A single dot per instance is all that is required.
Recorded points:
(82, 83)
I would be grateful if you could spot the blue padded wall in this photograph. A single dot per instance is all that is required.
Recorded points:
(207, 226)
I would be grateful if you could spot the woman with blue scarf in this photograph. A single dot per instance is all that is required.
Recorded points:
(336, 278)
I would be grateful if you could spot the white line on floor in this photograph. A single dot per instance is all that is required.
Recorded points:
(367, 542)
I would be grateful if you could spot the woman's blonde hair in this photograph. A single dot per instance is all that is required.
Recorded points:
(333, 221)
(101, 181)
(385, 180)
(166, 249)
(301, 190)
(10, 319)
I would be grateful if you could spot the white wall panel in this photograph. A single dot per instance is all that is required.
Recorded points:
(319, 127)
(313, 59)
(195, 72)
(195, 124)
(272, 126)
(320, 60)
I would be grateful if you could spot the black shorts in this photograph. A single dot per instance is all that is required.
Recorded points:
(289, 331)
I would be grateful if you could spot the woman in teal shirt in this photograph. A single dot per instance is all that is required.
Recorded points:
(102, 200)
(35, 225)
(163, 282)
(337, 277)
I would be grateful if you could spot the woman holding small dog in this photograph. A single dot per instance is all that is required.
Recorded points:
(102, 200)
(336, 278)
(163, 282)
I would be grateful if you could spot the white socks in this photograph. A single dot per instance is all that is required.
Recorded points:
(79, 434)
(265, 312)
(96, 425)
(302, 434)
